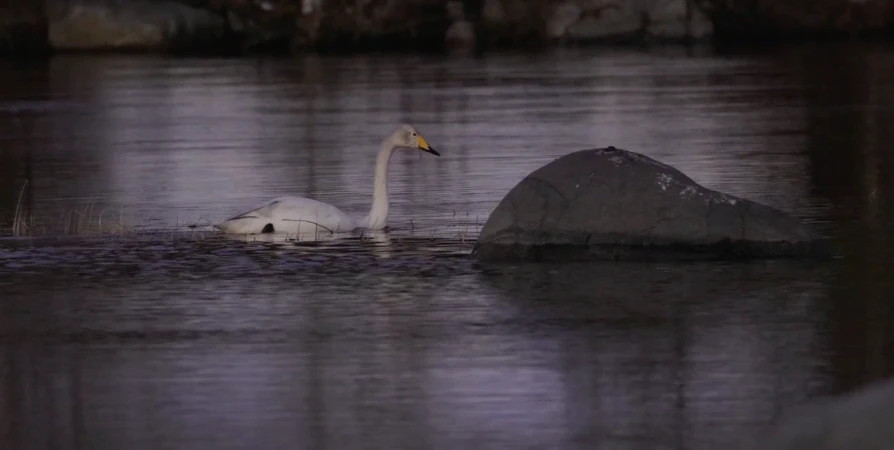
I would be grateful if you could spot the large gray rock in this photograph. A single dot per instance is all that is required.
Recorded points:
(130, 25)
(613, 204)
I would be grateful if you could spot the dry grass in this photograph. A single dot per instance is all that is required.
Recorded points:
(89, 219)
(84, 220)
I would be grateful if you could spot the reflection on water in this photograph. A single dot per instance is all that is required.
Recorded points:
(181, 338)
(293, 347)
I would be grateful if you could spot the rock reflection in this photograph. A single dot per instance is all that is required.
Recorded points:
(676, 356)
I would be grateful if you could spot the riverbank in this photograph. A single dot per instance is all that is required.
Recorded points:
(293, 26)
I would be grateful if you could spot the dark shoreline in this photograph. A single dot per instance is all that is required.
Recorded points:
(38, 53)
(27, 32)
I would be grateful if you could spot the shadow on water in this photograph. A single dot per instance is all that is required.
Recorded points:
(189, 339)
(850, 156)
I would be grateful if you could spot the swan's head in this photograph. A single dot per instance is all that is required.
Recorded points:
(408, 136)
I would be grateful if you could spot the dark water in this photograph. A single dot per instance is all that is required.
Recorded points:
(167, 337)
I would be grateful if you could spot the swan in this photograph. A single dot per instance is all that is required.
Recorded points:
(294, 215)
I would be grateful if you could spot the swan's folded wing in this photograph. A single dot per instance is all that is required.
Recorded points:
(257, 212)
(290, 215)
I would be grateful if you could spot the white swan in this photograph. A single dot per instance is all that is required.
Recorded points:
(299, 215)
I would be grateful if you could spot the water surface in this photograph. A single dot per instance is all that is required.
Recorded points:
(176, 337)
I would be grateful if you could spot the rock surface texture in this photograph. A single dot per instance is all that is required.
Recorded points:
(595, 20)
(130, 25)
(366, 24)
(610, 203)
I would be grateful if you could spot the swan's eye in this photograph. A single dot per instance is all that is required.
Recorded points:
(414, 134)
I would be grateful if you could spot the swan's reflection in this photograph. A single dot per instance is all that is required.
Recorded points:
(380, 243)
(376, 242)
(284, 238)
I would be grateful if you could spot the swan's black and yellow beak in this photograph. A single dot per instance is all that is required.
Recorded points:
(425, 147)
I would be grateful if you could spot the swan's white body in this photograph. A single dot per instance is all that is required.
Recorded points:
(300, 215)
(291, 215)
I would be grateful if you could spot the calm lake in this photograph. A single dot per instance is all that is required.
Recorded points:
(172, 337)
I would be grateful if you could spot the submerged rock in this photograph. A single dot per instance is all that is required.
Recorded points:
(610, 203)
(860, 420)
(131, 25)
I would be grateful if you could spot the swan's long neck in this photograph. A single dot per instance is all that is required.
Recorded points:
(378, 213)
